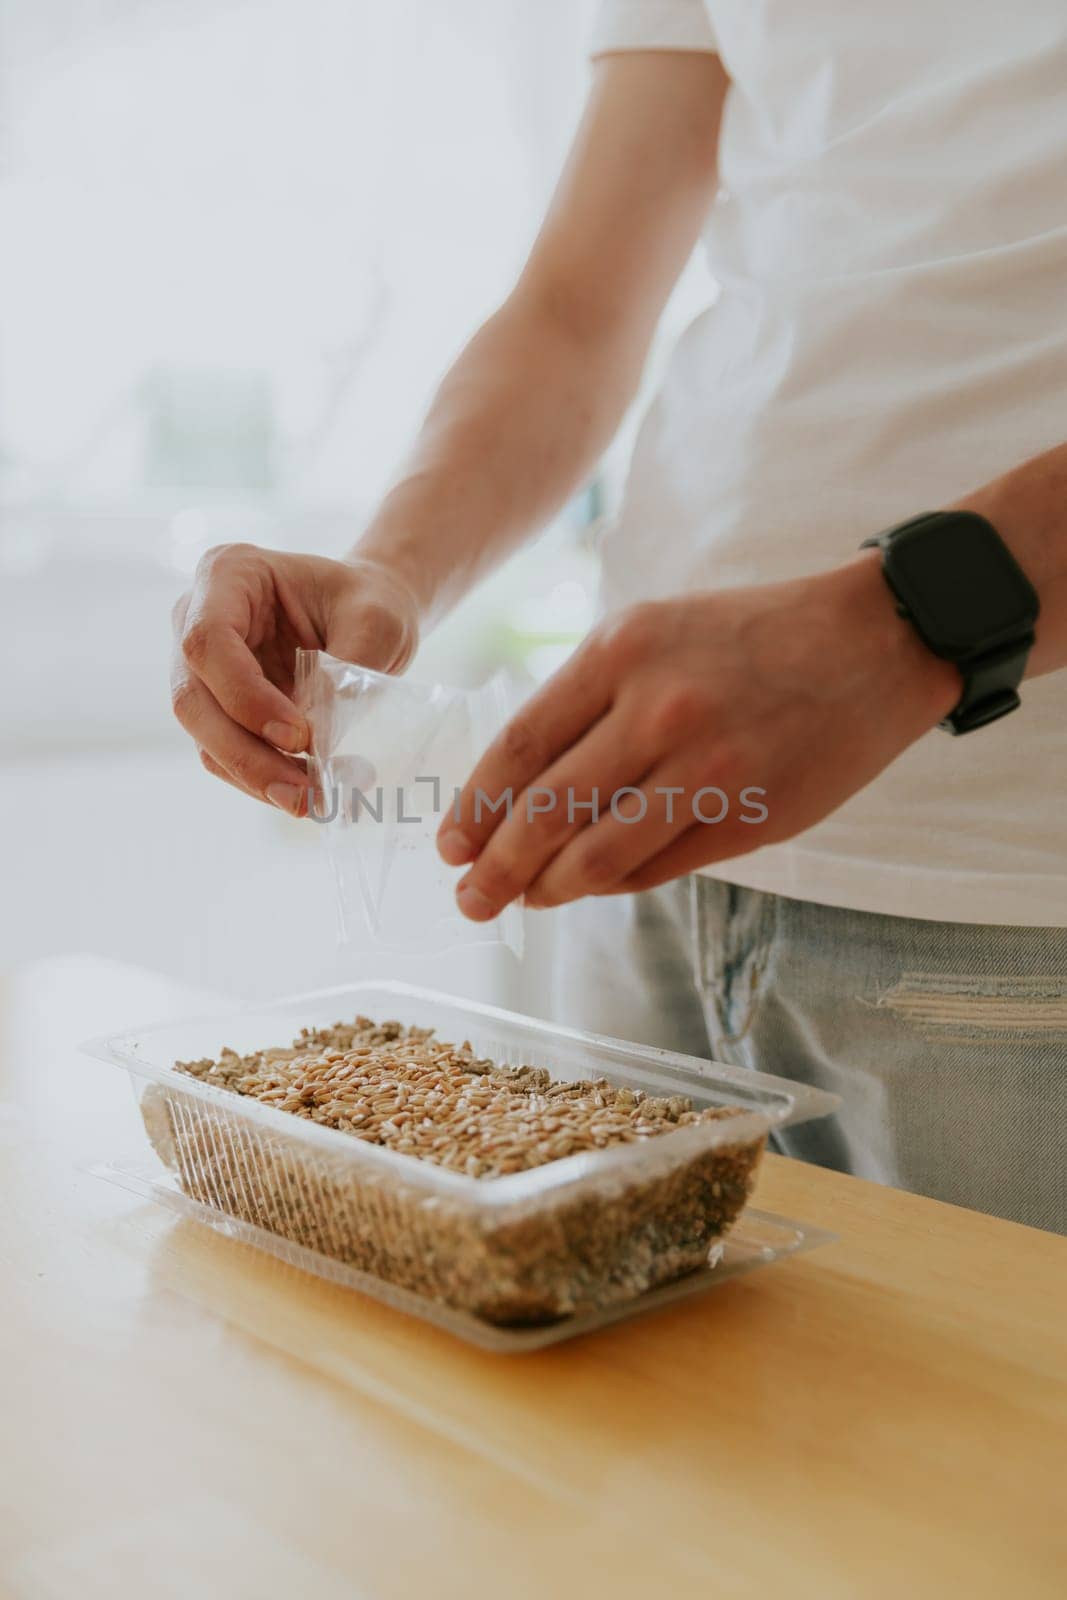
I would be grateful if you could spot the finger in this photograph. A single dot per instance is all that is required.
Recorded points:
(209, 764)
(555, 717)
(226, 599)
(218, 655)
(639, 823)
(680, 799)
(249, 762)
(179, 612)
(562, 803)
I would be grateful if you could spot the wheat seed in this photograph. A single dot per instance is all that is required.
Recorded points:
(403, 1089)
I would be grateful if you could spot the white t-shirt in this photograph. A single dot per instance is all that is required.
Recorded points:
(890, 238)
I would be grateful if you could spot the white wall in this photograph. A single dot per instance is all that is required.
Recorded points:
(312, 203)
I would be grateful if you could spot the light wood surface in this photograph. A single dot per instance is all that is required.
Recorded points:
(185, 1417)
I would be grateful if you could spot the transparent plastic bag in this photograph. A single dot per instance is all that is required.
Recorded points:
(388, 756)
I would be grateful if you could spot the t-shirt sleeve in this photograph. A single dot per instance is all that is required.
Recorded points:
(651, 25)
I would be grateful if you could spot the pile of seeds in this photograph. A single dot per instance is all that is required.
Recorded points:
(401, 1088)
(603, 1239)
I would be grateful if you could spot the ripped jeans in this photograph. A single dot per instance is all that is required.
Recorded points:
(946, 1041)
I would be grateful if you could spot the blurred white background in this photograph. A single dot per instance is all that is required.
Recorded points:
(241, 241)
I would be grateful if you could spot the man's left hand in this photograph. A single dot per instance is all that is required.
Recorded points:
(797, 694)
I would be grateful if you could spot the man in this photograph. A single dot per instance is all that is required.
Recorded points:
(884, 211)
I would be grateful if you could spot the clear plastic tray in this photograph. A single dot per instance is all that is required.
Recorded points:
(574, 1237)
(757, 1239)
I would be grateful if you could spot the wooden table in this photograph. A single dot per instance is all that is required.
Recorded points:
(185, 1417)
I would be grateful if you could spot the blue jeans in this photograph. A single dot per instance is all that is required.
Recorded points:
(946, 1041)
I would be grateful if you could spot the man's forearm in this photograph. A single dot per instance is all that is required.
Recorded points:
(539, 391)
(1028, 508)
(518, 422)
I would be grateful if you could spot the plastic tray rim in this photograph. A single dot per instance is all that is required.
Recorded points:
(121, 1049)
(809, 1103)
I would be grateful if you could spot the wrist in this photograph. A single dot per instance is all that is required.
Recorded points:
(383, 560)
(920, 686)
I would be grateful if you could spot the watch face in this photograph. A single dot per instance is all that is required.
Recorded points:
(960, 583)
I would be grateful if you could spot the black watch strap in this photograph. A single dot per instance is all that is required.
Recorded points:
(990, 688)
(990, 653)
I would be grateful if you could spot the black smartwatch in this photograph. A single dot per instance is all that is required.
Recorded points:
(970, 602)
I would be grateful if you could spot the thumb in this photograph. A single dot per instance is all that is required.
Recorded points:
(374, 624)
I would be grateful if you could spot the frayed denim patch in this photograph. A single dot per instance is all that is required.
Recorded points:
(966, 1007)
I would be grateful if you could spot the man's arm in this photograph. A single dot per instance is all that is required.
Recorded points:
(535, 397)
(518, 422)
(799, 692)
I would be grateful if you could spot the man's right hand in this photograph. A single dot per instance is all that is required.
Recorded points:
(515, 427)
(236, 634)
